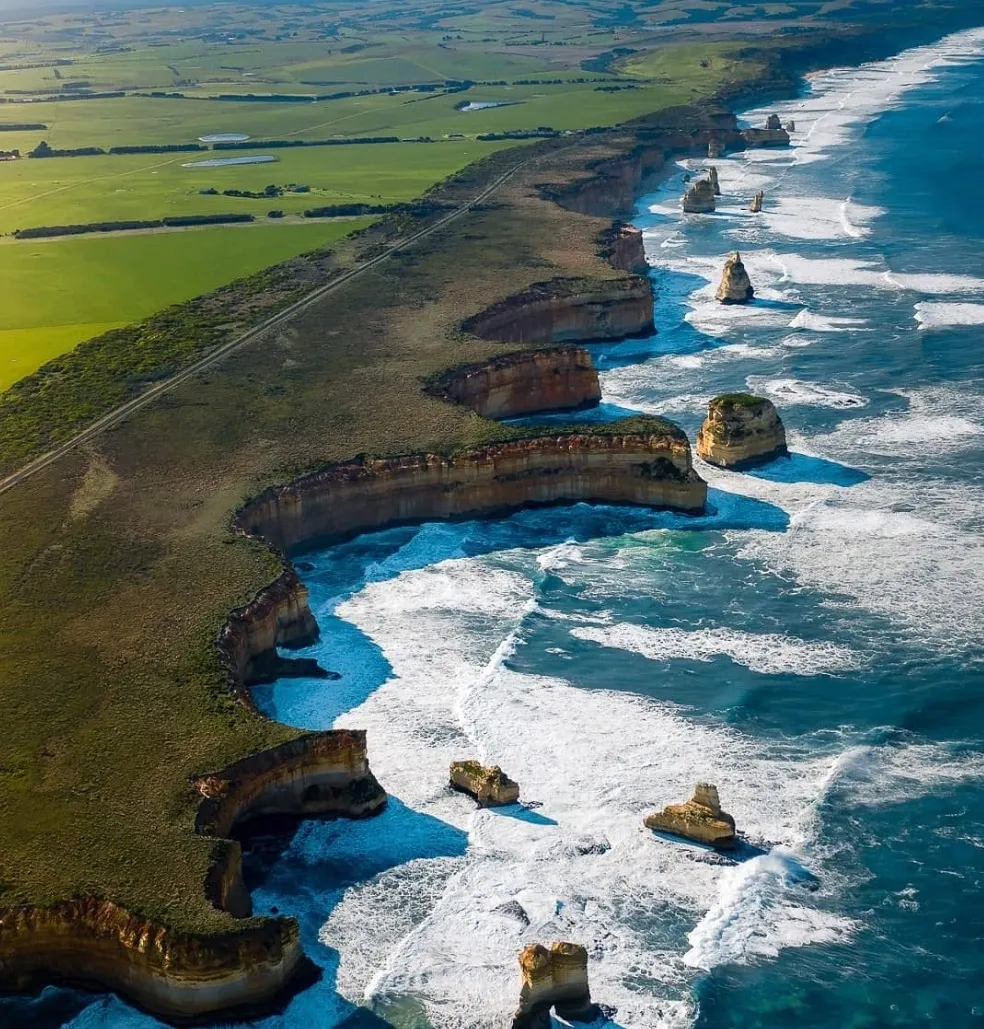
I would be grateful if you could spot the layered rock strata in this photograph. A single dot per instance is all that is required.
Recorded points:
(569, 311)
(712, 178)
(772, 135)
(555, 978)
(558, 379)
(756, 205)
(623, 247)
(279, 616)
(176, 975)
(735, 286)
(490, 786)
(649, 465)
(740, 431)
(700, 819)
(699, 198)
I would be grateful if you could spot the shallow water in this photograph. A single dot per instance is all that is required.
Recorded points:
(812, 645)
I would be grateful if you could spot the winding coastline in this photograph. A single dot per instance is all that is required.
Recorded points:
(279, 617)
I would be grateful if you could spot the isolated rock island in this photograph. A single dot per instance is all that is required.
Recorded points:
(741, 430)
(736, 287)
(489, 785)
(699, 198)
(556, 978)
(699, 819)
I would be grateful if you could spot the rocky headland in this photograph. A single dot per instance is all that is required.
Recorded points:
(735, 286)
(699, 198)
(740, 431)
(527, 382)
(646, 461)
(699, 819)
(489, 785)
(556, 978)
(569, 311)
(623, 248)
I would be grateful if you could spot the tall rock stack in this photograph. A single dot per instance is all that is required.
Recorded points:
(790, 126)
(556, 978)
(699, 819)
(773, 122)
(735, 287)
(712, 178)
(699, 198)
(741, 430)
(756, 205)
(715, 147)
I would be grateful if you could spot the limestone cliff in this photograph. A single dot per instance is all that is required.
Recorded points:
(490, 786)
(741, 430)
(699, 198)
(614, 183)
(651, 467)
(173, 974)
(556, 978)
(623, 247)
(756, 204)
(700, 819)
(735, 286)
(569, 311)
(279, 616)
(558, 379)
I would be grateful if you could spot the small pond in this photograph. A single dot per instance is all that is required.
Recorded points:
(224, 137)
(223, 162)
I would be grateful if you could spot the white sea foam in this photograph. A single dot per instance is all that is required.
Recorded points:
(579, 864)
(819, 323)
(790, 392)
(769, 653)
(941, 315)
(757, 914)
(817, 218)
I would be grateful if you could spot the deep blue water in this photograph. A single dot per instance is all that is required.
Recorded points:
(813, 644)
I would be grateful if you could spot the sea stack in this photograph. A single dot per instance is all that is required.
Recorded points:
(490, 786)
(772, 135)
(740, 431)
(756, 205)
(715, 147)
(699, 198)
(736, 287)
(773, 122)
(790, 126)
(700, 819)
(712, 178)
(556, 978)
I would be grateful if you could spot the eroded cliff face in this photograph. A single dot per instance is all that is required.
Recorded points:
(176, 975)
(558, 379)
(279, 616)
(740, 431)
(623, 247)
(614, 184)
(652, 469)
(569, 311)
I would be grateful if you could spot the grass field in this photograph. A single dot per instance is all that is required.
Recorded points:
(57, 294)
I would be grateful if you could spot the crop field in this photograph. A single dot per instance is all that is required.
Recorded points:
(59, 293)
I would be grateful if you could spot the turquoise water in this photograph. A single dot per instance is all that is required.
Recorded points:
(812, 645)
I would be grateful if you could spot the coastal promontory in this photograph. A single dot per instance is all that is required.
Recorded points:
(741, 430)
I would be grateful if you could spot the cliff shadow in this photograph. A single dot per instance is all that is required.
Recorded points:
(796, 467)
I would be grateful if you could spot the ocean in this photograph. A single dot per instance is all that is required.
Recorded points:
(813, 644)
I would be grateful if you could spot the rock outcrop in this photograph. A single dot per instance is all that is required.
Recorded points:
(772, 135)
(569, 311)
(741, 430)
(735, 287)
(649, 464)
(699, 198)
(556, 978)
(715, 147)
(279, 616)
(756, 205)
(700, 819)
(712, 178)
(490, 786)
(558, 379)
(175, 975)
(623, 247)
(790, 126)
